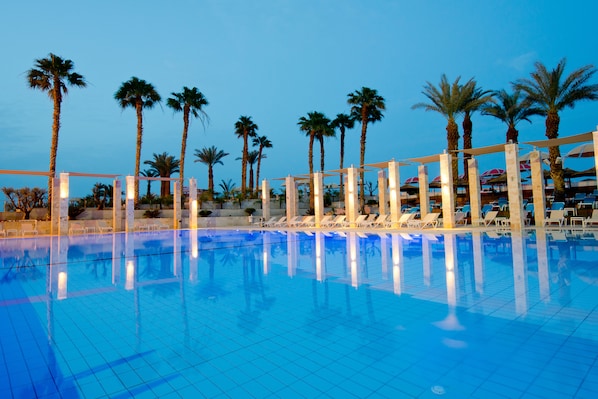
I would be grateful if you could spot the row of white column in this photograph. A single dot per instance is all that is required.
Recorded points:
(60, 205)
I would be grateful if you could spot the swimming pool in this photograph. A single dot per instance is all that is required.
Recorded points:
(219, 314)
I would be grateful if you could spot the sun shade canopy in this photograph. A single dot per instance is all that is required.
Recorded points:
(483, 150)
(578, 138)
(427, 159)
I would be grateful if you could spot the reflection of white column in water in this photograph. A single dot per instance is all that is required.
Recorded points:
(320, 257)
(427, 258)
(543, 277)
(291, 253)
(266, 248)
(384, 254)
(62, 267)
(176, 254)
(450, 259)
(519, 272)
(116, 258)
(353, 258)
(478, 261)
(397, 263)
(129, 262)
(194, 255)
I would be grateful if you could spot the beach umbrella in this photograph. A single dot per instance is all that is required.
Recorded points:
(586, 173)
(412, 180)
(582, 151)
(409, 189)
(524, 167)
(493, 172)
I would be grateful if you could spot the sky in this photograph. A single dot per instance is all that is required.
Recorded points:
(273, 60)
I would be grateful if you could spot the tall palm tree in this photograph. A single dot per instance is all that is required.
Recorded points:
(191, 102)
(245, 128)
(510, 108)
(53, 74)
(447, 99)
(165, 165)
(261, 142)
(552, 92)
(210, 156)
(252, 159)
(139, 94)
(367, 106)
(342, 122)
(149, 173)
(326, 131)
(474, 98)
(312, 125)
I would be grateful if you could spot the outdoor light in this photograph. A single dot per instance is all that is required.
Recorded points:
(131, 187)
(64, 186)
(62, 282)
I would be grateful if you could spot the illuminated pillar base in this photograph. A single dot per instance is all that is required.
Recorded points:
(394, 188)
(448, 194)
(192, 204)
(424, 190)
(318, 197)
(265, 200)
(475, 197)
(130, 204)
(514, 186)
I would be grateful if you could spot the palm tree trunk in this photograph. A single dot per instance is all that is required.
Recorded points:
(57, 97)
(512, 134)
(257, 173)
(342, 156)
(321, 154)
(211, 182)
(364, 129)
(310, 157)
(467, 143)
(251, 178)
(184, 145)
(554, 155)
(244, 165)
(139, 110)
(452, 136)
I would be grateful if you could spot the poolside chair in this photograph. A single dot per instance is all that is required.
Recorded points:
(292, 222)
(307, 221)
(281, 222)
(592, 220)
(338, 221)
(269, 222)
(77, 228)
(460, 218)
(490, 218)
(403, 220)
(557, 206)
(360, 221)
(2, 231)
(430, 220)
(103, 227)
(555, 217)
(380, 221)
(29, 228)
(325, 220)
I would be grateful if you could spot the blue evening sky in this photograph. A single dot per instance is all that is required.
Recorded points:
(273, 60)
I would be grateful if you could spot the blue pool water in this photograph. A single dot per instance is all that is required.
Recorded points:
(234, 314)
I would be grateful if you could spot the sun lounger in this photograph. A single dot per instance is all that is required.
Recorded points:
(29, 228)
(103, 227)
(490, 218)
(325, 220)
(555, 217)
(460, 218)
(361, 220)
(591, 221)
(338, 221)
(430, 220)
(306, 221)
(2, 231)
(294, 221)
(269, 222)
(281, 222)
(77, 228)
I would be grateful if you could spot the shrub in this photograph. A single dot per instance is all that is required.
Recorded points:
(204, 213)
(249, 211)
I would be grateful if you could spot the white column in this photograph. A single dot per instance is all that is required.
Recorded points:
(595, 140)
(514, 186)
(130, 204)
(116, 206)
(538, 189)
(63, 226)
(177, 205)
(265, 200)
(475, 196)
(318, 197)
(446, 188)
(291, 197)
(394, 188)
(382, 193)
(193, 204)
(352, 207)
(424, 190)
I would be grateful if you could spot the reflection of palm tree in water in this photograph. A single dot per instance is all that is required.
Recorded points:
(22, 265)
(164, 271)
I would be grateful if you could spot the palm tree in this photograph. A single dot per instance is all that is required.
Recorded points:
(252, 158)
(446, 99)
(474, 98)
(261, 142)
(367, 106)
(312, 126)
(137, 93)
(551, 92)
(210, 156)
(149, 173)
(511, 108)
(326, 131)
(53, 74)
(342, 122)
(190, 102)
(228, 188)
(245, 128)
(165, 165)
